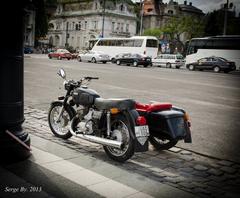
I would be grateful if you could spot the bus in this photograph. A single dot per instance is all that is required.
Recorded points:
(145, 45)
(227, 47)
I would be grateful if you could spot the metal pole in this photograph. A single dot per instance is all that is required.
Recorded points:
(66, 44)
(225, 19)
(141, 23)
(103, 20)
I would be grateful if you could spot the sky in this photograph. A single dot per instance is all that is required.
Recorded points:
(207, 5)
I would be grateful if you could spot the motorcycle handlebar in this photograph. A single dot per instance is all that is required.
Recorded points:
(91, 78)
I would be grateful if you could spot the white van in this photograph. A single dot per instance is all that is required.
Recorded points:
(169, 60)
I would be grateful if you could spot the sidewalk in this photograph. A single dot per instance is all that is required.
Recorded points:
(61, 167)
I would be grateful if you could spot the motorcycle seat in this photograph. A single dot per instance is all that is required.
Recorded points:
(157, 106)
(122, 104)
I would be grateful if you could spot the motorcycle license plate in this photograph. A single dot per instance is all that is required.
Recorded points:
(142, 131)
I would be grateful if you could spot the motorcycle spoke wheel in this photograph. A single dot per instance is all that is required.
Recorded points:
(60, 128)
(120, 132)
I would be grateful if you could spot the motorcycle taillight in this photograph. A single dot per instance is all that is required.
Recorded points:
(141, 121)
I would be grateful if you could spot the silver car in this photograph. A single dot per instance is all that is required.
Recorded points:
(93, 56)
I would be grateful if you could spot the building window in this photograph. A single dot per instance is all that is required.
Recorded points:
(121, 7)
(118, 26)
(57, 26)
(85, 25)
(127, 27)
(79, 25)
(96, 5)
(121, 27)
(73, 25)
(95, 25)
(113, 26)
(170, 12)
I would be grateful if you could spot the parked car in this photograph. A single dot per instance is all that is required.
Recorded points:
(114, 59)
(93, 56)
(60, 54)
(28, 50)
(133, 59)
(169, 60)
(214, 63)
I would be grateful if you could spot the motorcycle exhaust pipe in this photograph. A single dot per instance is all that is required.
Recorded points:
(98, 140)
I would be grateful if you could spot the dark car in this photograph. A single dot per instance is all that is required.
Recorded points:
(28, 50)
(214, 63)
(133, 59)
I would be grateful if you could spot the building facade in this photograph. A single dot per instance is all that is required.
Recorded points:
(29, 31)
(156, 13)
(76, 22)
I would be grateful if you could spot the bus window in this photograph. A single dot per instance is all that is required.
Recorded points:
(152, 43)
(128, 43)
(138, 42)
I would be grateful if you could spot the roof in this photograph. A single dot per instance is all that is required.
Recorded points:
(190, 8)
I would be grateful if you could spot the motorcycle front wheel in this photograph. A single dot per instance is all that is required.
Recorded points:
(162, 144)
(121, 131)
(60, 127)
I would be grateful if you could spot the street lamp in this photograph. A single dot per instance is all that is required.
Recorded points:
(103, 19)
(226, 7)
(67, 35)
(141, 22)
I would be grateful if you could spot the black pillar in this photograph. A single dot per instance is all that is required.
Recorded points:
(11, 81)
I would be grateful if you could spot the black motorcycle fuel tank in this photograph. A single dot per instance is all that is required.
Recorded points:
(84, 96)
(170, 124)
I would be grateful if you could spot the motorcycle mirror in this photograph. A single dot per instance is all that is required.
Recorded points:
(62, 73)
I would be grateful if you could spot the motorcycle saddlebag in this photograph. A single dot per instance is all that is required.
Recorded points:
(168, 124)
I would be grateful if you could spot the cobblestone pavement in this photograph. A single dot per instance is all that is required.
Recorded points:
(182, 169)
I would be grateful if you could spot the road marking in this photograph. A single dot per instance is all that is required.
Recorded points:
(84, 177)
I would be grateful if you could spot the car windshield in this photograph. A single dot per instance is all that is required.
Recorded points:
(179, 57)
(63, 50)
(222, 59)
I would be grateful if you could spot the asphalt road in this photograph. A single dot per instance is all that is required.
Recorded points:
(211, 99)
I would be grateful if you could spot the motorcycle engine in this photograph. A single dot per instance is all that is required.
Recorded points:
(89, 121)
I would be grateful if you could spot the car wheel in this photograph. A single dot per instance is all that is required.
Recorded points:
(191, 67)
(104, 62)
(118, 62)
(50, 57)
(168, 65)
(59, 58)
(177, 67)
(216, 69)
(79, 59)
(113, 60)
(93, 60)
(135, 63)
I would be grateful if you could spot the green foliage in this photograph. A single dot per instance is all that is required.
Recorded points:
(189, 25)
(153, 32)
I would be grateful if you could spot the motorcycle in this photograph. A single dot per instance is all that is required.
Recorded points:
(113, 123)
(167, 124)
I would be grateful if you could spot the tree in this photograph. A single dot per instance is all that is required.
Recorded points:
(175, 27)
(215, 20)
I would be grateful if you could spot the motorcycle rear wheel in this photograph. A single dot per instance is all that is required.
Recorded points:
(121, 131)
(162, 144)
(60, 129)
